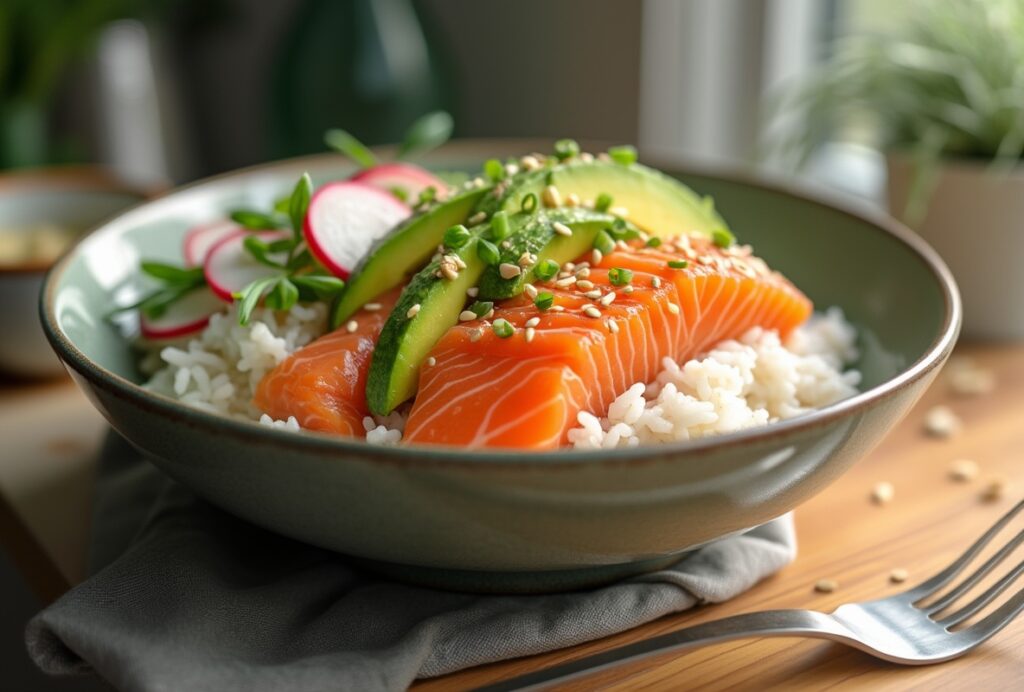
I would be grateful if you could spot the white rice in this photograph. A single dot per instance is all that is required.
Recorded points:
(738, 384)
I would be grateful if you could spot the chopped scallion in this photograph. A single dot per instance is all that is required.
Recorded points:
(603, 202)
(481, 308)
(566, 149)
(546, 269)
(488, 252)
(500, 227)
(678, 264)
(494, 169)
(456, 236)
(544, 300)
(619, 277)
(529, 204)
(722, 237)
(503, 328)
(603, 242)
(624, 155)
(654, 241)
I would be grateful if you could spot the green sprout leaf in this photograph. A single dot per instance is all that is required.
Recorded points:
(298, 204)
(428, 132)
(344, 143)
(254, 220)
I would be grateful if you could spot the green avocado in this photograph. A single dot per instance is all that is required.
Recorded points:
(655, 202)
(402, 251)
(410, 332)
(538, 237)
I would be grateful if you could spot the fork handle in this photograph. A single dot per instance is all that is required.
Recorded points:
(768, 623)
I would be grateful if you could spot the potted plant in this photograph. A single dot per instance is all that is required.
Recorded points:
(943, 97)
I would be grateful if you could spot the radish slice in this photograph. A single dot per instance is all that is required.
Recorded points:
(344, 219)
(199, 239)
(411, 179)
(229, 267)
(186, 316)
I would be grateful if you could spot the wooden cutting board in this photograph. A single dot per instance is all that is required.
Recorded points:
(846, 537)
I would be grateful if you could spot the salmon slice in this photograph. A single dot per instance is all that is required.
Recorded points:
(525, 391)
(323, 384)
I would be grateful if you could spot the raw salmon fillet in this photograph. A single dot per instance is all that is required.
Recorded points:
(525, 391)
(323, 384)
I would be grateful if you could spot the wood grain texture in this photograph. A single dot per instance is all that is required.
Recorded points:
(845, 537)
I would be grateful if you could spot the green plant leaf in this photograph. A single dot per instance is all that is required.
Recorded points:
(254, 220)
(249, 297)
(428, 132)
(343, 142)
(298, 204)
(171, 273)
(283, 295)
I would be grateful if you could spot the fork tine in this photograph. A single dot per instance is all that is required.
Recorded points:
(997, 620)
(984, 599)
(978, 574)
(930, 586)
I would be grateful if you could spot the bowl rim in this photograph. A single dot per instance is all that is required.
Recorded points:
(86, 178)
(333, 446)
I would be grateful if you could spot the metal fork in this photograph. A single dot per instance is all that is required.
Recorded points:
(901, 628)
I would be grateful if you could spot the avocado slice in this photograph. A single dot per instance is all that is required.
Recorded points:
(537, 236)
(402, 251)
(405, 342)
(657, 203)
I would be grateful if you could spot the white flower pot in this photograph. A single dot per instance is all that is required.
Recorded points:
(975, 220)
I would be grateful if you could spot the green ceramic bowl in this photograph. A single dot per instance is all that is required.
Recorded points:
(509, 521)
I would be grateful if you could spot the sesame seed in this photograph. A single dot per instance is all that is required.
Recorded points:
(526, 259)
(476, 218)
(413, 311)
(351, 326)
(551, 197)
(608, 299)
(372, 307)
(475, 334)
(604, 157)
(826, 585)
(472, 291)
(619, 211)
(528, 333)
(467, 316)
(530, 290)
(591, 311)
(940, 421)
(566, 282)
(561, 229)
(613, 326)
(569, 266)
(450, 271)
(506, 244)
(898, 575)
(572, 200)
(478, 182)
(529, 163)
(994, 490)
(593, 295)
(583, 284)
(556, 308)
(562, 275)
(627, 290)
(656, 281)
(533, 322)
(583, 273)
(883, 493)
(431, 361)
(586, 157)
(596, 256)
(963, 470)
(673, 308)
(706, 259)
(509, 271)
(511, 169)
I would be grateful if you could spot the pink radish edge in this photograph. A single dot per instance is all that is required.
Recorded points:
(229, 268)
(186, 316)
(412, 179)
(345, 218)
(201, 238)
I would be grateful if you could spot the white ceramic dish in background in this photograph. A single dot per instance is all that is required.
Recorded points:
(76, 198)
(975, 220)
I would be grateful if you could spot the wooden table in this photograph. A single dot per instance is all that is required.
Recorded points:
(45, 470)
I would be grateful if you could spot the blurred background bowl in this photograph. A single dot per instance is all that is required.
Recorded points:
(42, 213)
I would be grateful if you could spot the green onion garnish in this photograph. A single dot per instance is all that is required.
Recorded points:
(544, 300)
(619, 277)
(566, 149)
(503, 328)
(494, 169)
(400, 193)
(653, 242)
(427, 196)
(678, 264)
(500, 227)
(529, 204)
(456, 236)
(488, 252)
(722, 237)
(624, 155)
(481, 308)
(603, 242)
(603, 202)
(546, 269)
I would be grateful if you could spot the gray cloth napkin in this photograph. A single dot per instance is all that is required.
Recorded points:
(195, 599)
